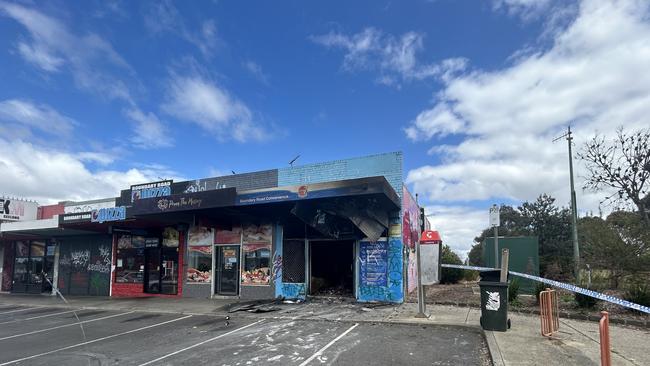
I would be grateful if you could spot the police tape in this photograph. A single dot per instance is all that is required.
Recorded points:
(566, 286)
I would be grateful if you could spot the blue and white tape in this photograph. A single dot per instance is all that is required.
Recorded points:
(566, 286)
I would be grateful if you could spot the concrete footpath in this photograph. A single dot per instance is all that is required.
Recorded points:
(575, 344)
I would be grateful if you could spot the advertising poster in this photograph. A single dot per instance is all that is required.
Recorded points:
(228, 236)
(199, 266)
(374, 263)
(410, 235)
(257, 254)
(170, 237)
(200, 236)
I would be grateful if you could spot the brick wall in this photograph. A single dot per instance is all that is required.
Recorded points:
(389, 165)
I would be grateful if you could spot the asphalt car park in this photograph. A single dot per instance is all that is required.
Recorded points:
(61, 336)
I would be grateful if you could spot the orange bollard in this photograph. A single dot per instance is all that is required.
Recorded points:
(548, 312)
(605, 349)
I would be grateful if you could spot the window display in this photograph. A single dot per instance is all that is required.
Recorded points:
(199, 264)
(130, 259)
(257, 254)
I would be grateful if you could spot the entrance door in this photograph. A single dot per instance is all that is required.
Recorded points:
(152, 270)
(227, 273)
(169, 271)
(331, 267)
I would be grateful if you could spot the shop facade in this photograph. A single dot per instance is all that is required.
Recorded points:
(343, 228)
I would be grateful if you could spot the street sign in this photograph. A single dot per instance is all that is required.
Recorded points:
(494, 216)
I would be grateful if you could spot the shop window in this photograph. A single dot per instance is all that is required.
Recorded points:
(129, 267)
(199, 243)
(256, 245)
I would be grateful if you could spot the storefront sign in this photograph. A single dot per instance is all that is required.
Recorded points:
(151, 190)
(87, 206)
(75, 218)
(183, 202)
(17, 210)
(374, 263)
(108, 214)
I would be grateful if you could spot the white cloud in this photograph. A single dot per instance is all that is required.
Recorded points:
(53, 48)
(49, 176)
(149, 131)
(395, 58)
(457, 225)
(164, 17)
(256, 70)
(41, 117)
(203, 102)
(593, 76)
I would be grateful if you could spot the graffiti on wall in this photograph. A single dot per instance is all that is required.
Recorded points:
(277, 267)
(294, 290)
(85, 266)
(393, 292)
(79, 259)
(102, 262)
(410, 235)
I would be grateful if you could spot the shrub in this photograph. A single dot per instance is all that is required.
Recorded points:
(638, 293)
(470, 276)
(450, 275)
(539, 287)
(513, 290)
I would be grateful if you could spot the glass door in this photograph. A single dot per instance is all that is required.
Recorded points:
(227, 273)
(169, 274)
(152, 269)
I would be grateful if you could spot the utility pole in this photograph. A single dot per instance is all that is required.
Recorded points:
(574, 208)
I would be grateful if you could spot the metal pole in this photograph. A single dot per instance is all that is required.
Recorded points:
(574, 213)
(496, 247)
(504, 265)
(422, 307)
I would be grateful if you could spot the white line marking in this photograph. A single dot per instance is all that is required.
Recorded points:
(15, 311)
(198, 344)
(320, 351)
(38, 317)
(93, 341)
(65, 325)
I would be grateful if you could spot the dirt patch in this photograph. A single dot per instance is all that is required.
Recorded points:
(467, 294)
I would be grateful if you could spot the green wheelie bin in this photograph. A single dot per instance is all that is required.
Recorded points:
(494, 302)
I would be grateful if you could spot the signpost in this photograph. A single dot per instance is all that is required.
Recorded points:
(495, 221)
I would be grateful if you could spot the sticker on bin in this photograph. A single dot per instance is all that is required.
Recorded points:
(493, 301)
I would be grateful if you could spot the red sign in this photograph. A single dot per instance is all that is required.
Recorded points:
(430, 237)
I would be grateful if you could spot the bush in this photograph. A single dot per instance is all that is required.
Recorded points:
(470, 276)
(513, 290)
(638, 293)
(450, 275)
(585, 301)
(539, 287)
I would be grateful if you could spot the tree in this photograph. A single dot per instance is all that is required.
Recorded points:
(475, 256)
(622, 164)
(552, 226)
(618, 244)
(541, 218)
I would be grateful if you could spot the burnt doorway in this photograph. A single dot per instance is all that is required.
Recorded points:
(332, 264)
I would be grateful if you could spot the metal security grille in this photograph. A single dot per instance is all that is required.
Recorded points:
(293, 266)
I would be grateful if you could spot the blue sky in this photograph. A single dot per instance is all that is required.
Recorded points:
(97, 95)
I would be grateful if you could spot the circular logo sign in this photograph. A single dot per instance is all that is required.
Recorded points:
(302, 191)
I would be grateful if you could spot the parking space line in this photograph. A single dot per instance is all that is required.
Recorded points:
(17, 310)
(93, 341)
(65, 325)
(38, 317)
(320, 351)
(200, 343)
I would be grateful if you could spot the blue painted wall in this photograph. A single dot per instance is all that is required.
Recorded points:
(389, 165)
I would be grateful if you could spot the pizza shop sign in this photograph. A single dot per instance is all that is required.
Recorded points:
(149, 190)
(108, 214)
